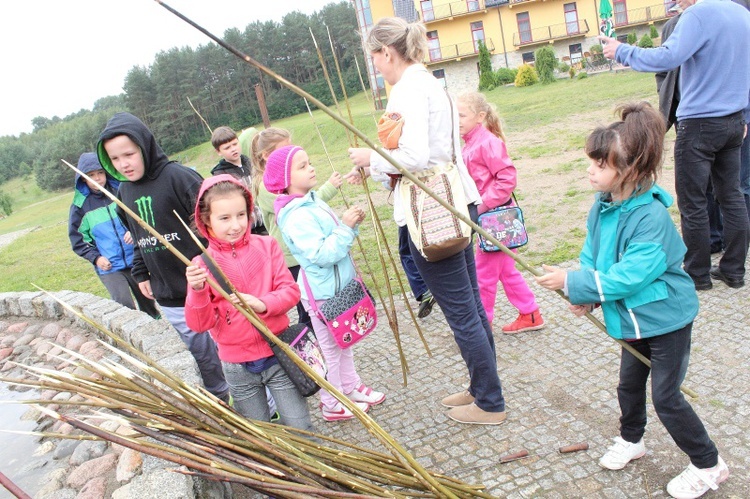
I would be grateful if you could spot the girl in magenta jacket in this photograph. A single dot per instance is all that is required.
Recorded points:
(491, 168)
(255, 266)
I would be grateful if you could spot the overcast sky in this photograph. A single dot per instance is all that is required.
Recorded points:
(58, 57)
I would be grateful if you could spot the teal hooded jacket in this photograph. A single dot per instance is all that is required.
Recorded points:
(631, 263)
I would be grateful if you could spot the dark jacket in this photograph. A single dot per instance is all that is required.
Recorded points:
(94, 228)
(666, 81)
(243, 173)
(166, 186)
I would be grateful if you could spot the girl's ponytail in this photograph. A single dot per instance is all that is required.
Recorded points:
(478, 103)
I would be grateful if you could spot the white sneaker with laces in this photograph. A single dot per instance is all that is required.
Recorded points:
(366, 394)
(621, 453)
(694, 482)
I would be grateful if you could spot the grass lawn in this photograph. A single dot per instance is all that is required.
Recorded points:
(546, 126)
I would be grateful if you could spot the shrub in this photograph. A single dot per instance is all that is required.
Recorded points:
(632, 38)
(563, 67)
(654, 33)
(487, 80)
(572, 72)
(646, 42)
(503, 76)
(6, 203)
(545, 63)
(526, 76)
(582, 75)
(597, 55)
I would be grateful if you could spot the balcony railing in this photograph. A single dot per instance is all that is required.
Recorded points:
(644, 15)
(456, 51)
(552, 32)
(511, 3)
(453, 9)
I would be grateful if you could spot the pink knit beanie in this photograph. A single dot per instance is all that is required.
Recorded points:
(279, 169)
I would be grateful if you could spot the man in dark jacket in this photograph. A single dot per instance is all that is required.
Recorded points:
(97, 234)
(155, 188)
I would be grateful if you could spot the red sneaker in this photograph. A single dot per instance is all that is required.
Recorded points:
(525, 322)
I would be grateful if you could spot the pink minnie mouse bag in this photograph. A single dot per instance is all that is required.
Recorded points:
(350, 314)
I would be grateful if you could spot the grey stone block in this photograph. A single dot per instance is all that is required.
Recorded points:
(184, 367)
(97, 310)
(26, 305)
(160, 346)
(47, 307)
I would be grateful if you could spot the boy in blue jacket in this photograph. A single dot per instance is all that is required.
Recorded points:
(97, 234)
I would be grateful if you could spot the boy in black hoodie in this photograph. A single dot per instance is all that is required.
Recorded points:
(153, 186)
(236, 164)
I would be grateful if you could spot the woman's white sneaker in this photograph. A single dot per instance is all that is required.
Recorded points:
(694, 482)
(621, 453)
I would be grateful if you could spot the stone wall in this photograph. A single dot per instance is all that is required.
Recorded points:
(150, 477)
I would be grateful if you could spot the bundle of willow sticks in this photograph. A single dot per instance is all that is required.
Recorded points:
(188, 426)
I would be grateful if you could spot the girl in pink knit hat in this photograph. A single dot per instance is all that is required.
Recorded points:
(320, 242)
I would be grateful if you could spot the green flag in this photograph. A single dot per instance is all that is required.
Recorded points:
(606, 26)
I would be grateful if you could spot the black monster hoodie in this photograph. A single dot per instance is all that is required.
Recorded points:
(165, 186)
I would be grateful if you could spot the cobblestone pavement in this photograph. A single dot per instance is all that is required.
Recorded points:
(560, 387)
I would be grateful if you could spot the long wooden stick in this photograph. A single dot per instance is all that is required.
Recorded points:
(399, 452)
(406, 173)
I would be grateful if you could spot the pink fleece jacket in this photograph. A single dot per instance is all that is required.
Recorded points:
(254, 265)
(490, 166)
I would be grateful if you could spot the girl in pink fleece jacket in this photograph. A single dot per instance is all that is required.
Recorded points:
(491, 168)
(256, 267)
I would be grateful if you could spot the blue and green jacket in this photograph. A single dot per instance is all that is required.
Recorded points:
(631, 264)
(94, 228)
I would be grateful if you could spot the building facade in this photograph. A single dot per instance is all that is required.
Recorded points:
(511, 29)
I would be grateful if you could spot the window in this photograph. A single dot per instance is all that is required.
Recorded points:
(571, 18)
(622, 38)
(439, 74)
(524, 27)
(433, 45)
(472, 5)
(576, 53)
(427, 13)
(477, 34)
(528, 57)
(621, 13)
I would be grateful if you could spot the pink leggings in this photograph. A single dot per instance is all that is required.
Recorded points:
(494, 267)
(340, 361)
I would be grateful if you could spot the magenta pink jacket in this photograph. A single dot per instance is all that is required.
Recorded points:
(490, 166)
(254, 265)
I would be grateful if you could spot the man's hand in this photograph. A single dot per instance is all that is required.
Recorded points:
(609, 46)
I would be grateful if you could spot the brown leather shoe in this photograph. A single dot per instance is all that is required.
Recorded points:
(471, 414)
(457, 399)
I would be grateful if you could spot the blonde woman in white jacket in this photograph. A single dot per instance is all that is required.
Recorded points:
(428, 139)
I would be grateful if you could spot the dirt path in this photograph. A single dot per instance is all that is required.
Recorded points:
(6, 239)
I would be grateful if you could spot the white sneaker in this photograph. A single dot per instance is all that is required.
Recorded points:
(366, 394)
(621, 453)
(694, 482)
(341, 413)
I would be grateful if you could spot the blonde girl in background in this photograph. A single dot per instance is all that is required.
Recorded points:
(490, 166)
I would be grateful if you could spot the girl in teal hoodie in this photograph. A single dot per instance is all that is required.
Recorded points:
(631, 266)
